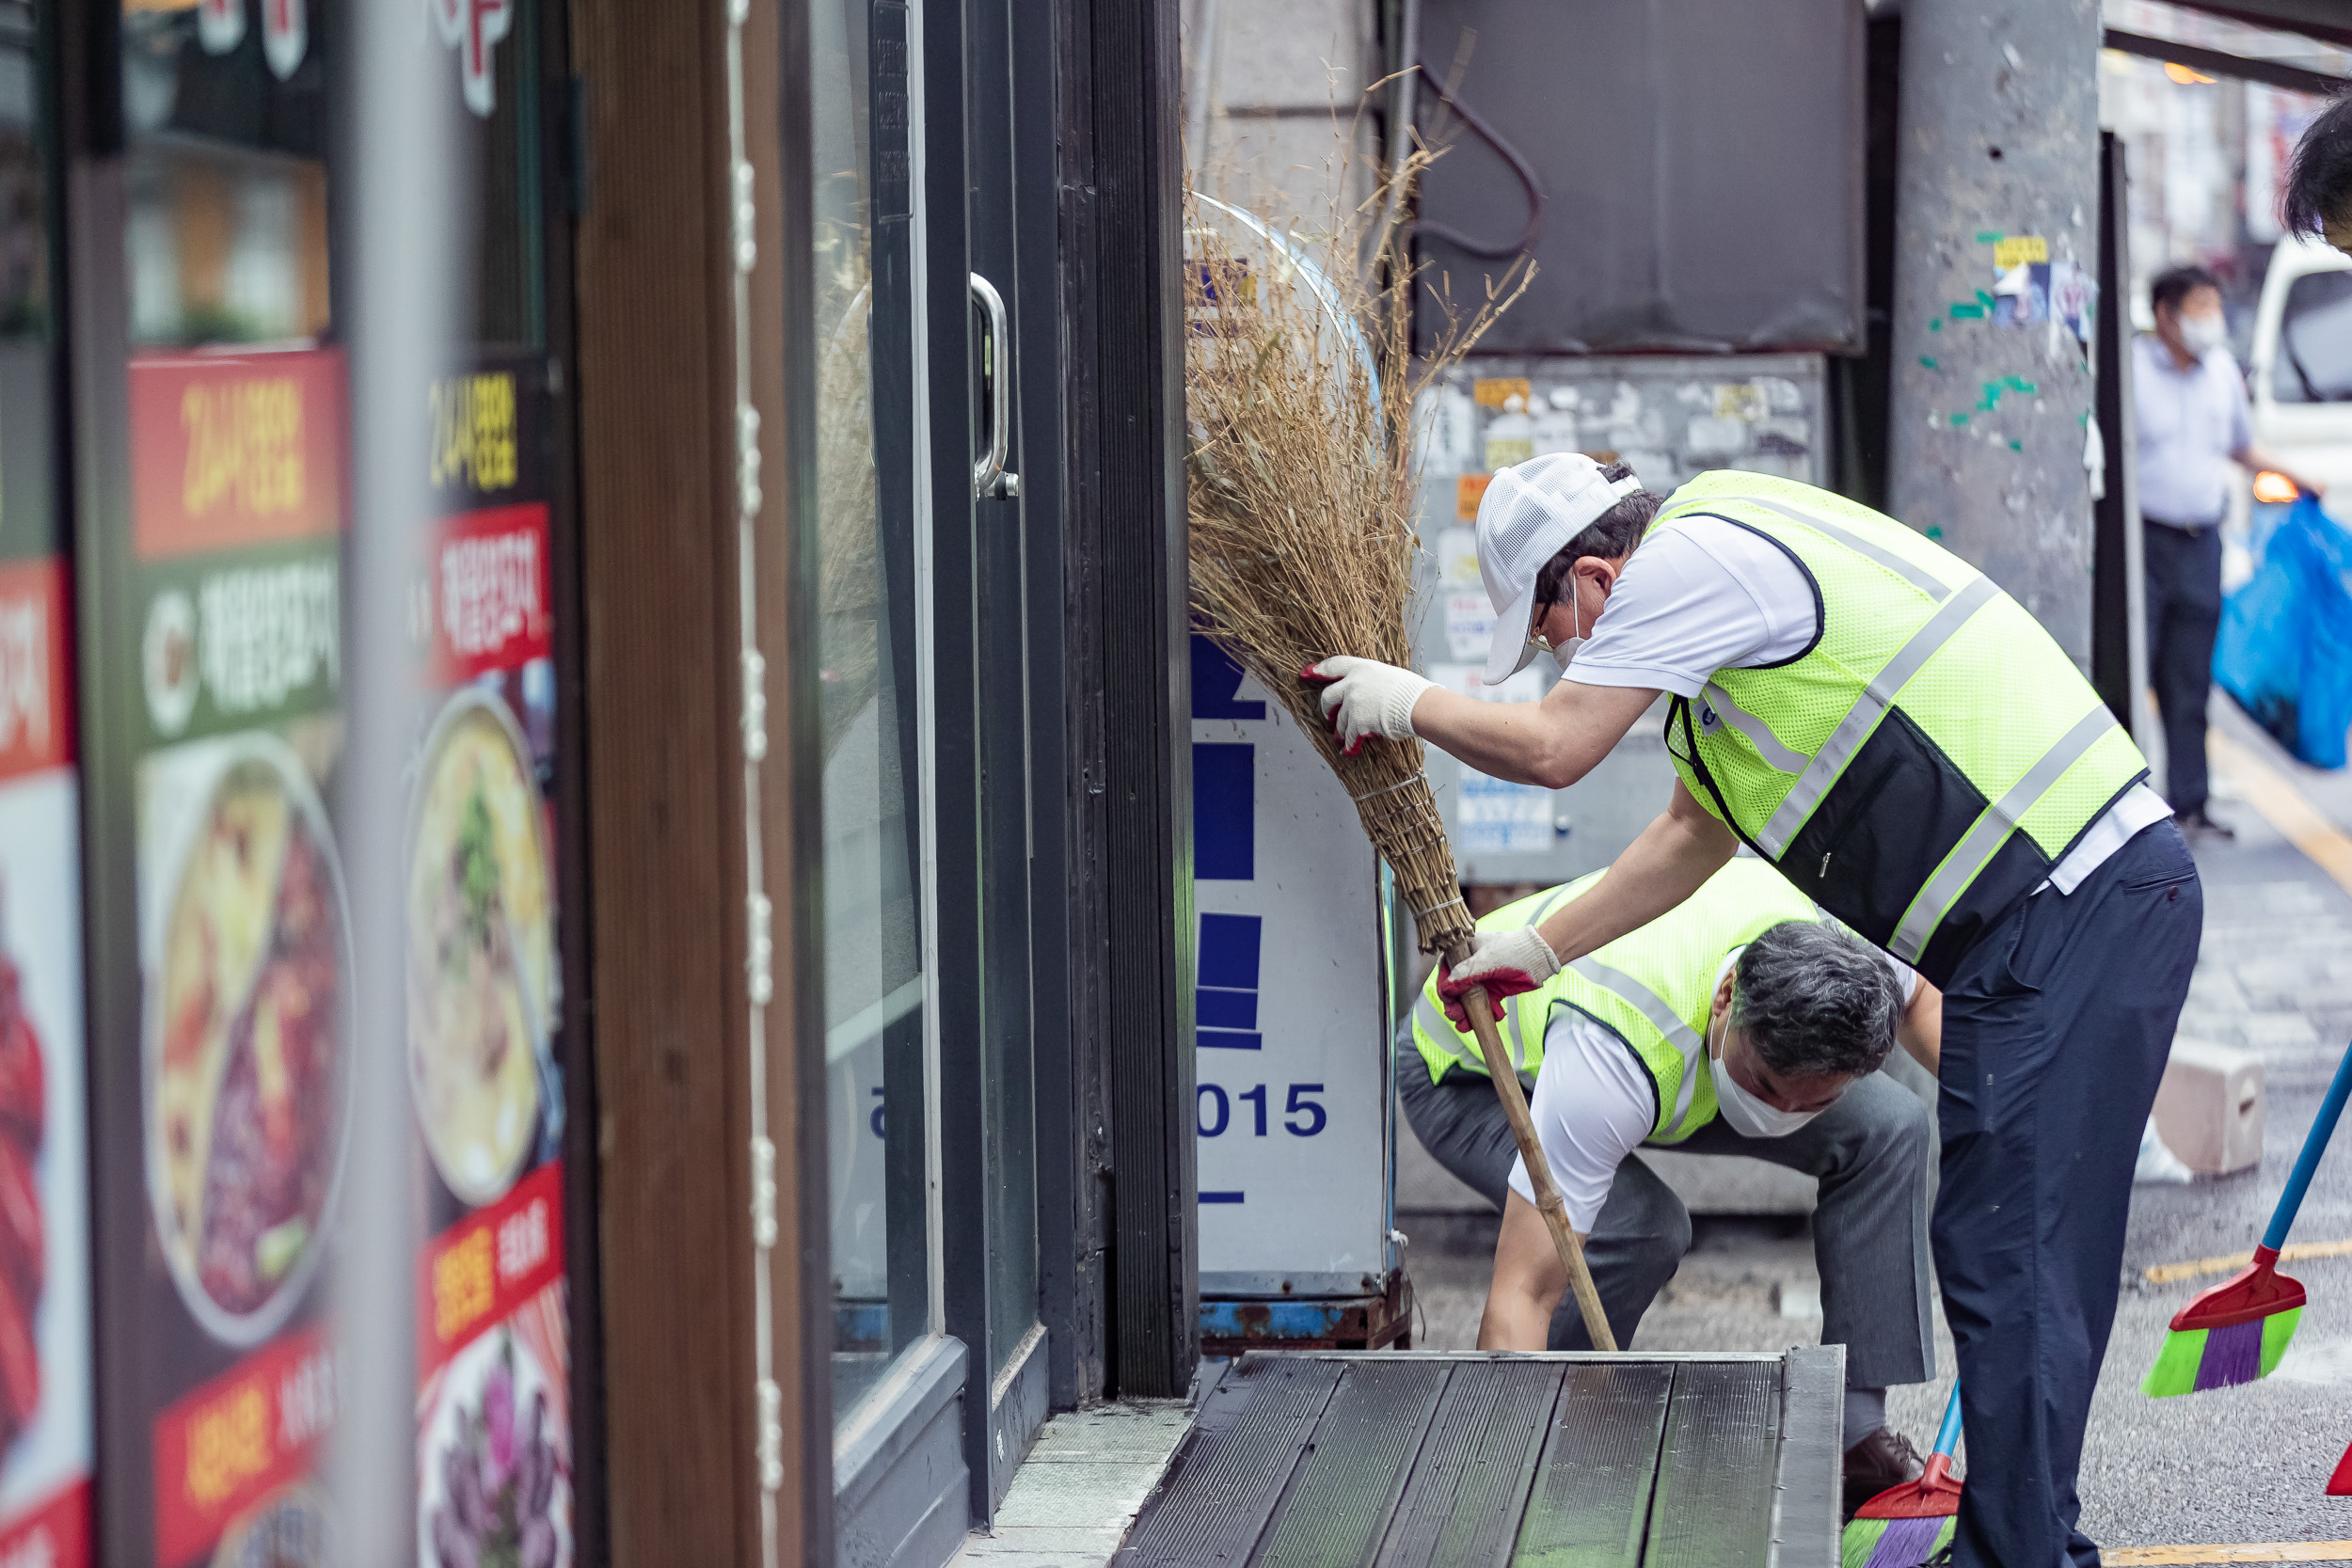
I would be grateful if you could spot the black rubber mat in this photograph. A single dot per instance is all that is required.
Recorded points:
(1461, 1508)
(1229, 1471)
(1340, 1460)
(1712, 1506)
(1341, 1497)
(1590, 1506)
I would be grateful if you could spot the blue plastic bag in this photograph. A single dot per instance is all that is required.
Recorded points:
(2286, 648)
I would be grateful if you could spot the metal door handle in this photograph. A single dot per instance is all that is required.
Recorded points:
(988, 478)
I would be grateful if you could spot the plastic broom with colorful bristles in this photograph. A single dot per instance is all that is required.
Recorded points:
(1908, 1524)
(2237, 1332)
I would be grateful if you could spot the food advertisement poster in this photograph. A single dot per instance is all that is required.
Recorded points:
(484, 994)
(247, 1015)
(234, 596)
(45, 1340)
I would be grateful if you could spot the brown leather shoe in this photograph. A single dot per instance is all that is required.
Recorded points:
(1883, 1459)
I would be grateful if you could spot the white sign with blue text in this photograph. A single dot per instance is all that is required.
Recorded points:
(1293, 1089)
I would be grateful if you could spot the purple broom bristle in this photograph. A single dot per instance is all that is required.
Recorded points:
(2233, 1356)
(1906, 1543)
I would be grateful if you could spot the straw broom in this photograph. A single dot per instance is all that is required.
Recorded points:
(1299, 384)
(849, 573)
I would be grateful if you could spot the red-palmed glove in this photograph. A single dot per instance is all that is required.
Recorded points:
(1363, 697)
(1505, 962)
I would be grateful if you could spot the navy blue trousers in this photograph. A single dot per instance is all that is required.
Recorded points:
(2055, 1030)
(2184, 620)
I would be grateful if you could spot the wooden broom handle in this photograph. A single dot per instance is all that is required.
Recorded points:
(1547, 1199)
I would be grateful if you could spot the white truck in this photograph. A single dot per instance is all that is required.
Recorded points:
(2300, 379)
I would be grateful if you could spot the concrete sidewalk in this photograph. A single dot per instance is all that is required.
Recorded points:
(2234, 1467)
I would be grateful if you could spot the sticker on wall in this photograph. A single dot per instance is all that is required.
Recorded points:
(1496, 817)
(219, 25)
(474, 28)
(45, 1425)
(484, 997)
(285, 35)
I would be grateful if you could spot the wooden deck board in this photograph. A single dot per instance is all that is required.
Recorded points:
(1349, 1460)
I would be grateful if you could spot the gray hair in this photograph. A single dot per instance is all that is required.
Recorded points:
(1811, 998)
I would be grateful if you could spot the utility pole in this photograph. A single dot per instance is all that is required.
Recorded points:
(1997, 168)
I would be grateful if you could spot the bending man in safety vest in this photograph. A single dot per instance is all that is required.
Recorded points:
(1740, 1023)
(1874, 717)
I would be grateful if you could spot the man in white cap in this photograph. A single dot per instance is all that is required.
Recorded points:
(1909, 748)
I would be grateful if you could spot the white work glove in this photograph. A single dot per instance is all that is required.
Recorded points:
(1363, 697)
(1505, 963)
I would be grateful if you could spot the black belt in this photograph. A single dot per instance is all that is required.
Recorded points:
(2192, 529)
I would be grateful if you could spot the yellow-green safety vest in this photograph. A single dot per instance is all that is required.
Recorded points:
(1925, 760)
(1652, 988)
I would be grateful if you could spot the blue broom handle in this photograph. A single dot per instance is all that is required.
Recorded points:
(2307, 1162)
(1947, 1438)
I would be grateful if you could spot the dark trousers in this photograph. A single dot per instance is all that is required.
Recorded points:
(2055, 1030)
(2183, 616)
(1870, 1152)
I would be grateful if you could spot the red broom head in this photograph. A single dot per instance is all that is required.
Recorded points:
(1934, 1495)
(2257, 1291)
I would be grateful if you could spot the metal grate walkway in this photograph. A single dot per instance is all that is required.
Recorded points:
(1331, 1460)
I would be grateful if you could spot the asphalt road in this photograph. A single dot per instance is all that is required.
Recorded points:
(2234, 1466)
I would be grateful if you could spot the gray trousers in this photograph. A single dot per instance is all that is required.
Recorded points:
(1869, 1152)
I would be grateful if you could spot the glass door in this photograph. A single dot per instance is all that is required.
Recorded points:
(1012, 493)
(873, 690)
(919, 562)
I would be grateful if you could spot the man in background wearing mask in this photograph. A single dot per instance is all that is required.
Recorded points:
(1740, 1023)
(2189, 401)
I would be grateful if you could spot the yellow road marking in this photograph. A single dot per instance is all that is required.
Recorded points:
(2284, 808)
(2166, 1274)
(2266, 1551)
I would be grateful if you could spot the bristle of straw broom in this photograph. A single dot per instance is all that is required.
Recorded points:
(1302, 486)
(849, 573)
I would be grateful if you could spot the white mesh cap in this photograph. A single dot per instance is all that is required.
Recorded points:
(1529, 514)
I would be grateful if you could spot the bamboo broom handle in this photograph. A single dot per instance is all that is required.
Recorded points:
(1547, 1199)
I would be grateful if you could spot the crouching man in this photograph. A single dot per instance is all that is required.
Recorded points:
(1738, 1022)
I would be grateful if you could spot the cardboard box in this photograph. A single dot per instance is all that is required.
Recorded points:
(2209, 1110)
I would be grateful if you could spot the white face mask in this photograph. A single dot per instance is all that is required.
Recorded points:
(1567, 649)
(1749, 1116)
(2203, 334)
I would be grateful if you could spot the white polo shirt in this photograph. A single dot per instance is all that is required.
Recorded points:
(2189, 421)
(1593, 1104)
(1700, 595)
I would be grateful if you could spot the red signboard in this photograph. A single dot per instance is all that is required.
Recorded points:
(483, 605)
(479, 1272)
(53, 1534)
(35, 703)
(236, 450)
(228, 1444)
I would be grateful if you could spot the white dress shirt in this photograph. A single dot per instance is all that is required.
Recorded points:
(2189, 421)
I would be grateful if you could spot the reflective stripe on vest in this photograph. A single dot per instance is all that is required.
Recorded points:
(1927, 758)
(2000, 818)
(1924, 581)
(1457, 1049)
(1829, 763)
(1760, 734)
(1429, 1017)
(1662, 1017)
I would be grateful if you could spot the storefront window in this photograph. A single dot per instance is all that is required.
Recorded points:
(872, 678)
(45, 1349)
(228, 574)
